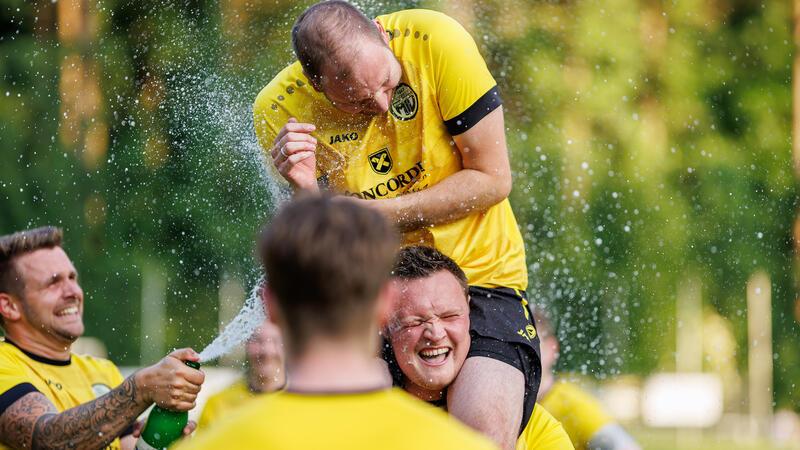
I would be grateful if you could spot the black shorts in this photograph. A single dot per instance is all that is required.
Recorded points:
(501, 328)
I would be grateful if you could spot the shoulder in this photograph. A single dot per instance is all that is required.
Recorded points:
(281, 87)
(9, 355)
(446, 431)
(418, 18)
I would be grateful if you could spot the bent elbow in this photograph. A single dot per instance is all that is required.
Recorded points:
(502, 189)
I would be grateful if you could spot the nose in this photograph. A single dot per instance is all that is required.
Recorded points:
(72, 289)
(434, 331)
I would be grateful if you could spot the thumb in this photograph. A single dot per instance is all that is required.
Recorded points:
(292, 120)
(185, 354)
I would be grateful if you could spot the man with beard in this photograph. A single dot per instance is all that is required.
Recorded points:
(49, 396)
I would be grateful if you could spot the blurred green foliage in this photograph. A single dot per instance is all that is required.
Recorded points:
(650, 142)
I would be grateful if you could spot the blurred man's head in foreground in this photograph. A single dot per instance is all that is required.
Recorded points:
(40, 297)
(328, 263)
(346, 56)
(429, 327)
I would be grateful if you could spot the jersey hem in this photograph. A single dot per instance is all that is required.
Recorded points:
(472, 115)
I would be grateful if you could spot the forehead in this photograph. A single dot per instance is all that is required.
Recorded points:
(43, 263)
(433, 294)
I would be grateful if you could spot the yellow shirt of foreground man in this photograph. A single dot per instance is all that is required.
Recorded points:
(578, 411)
(543, 432)
(445, 89)
(65, 383)
(388, 419)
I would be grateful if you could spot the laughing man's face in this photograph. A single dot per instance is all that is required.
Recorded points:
(430, 331)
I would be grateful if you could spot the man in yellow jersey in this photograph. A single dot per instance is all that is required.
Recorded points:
(265, 373)
(401, 114)
(584, 419)
(328, 265)
(429, 333)
(50, 397)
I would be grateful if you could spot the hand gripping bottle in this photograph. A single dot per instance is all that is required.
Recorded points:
(163, 427)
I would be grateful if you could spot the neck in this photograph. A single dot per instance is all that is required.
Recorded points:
(335, 366)
(46, 346)
(428, 395)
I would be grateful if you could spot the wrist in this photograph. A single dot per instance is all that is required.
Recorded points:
(142, 387)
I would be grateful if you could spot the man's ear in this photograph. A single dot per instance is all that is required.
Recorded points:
(313, 81)
(382, 31)
(270, 305)
(9, 307)
(387, 303)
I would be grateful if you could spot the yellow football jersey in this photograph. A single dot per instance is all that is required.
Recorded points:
(543, 432)
(65, 383)
(223, 402)
(579, 412)
(388, 419)
(445, 89)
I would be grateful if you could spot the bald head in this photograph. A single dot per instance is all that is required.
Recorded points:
(329, 35)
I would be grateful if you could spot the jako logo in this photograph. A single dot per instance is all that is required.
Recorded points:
(345, 137)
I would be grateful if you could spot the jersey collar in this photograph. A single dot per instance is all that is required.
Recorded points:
(38, 358)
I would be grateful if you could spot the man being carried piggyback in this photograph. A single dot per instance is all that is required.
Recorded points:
(429, 334)
(401, 115)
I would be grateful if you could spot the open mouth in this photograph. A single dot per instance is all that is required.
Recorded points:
(68, 311)
(434, 356)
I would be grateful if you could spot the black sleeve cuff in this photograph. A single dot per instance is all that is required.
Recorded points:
(480, 109)
(10, 396)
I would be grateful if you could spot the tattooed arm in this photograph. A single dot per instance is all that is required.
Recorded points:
(34, 422)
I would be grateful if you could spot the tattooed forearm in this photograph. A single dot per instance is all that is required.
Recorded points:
(33, 422)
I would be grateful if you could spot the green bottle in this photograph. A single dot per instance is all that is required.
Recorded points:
(163, 427)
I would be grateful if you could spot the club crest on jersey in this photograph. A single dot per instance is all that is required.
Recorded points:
(344, 137)
(381, 161)
(404, 102)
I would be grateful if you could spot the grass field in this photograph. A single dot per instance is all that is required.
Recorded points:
(682, 440)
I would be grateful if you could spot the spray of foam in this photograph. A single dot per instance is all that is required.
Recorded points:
(219, 111)
(251, 316)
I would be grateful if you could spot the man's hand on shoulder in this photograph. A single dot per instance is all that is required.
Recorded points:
(170, 383)
(294, 155)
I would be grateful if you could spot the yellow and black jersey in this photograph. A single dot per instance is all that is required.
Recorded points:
(543, 432)
(223, 402)
(579, 412)
(388, 419)
(445, 90)
(67, 384)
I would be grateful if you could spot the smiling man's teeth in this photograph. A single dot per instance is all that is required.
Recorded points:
(433, 352)
(68, 311)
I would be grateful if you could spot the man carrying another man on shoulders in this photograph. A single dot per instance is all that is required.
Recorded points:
(401, 115)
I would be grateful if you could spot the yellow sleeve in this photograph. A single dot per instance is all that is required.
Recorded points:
(544, 432)
(14, 383)
(580, 413)
(465, 89)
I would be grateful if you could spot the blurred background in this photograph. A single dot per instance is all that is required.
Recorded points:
(654, 183)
